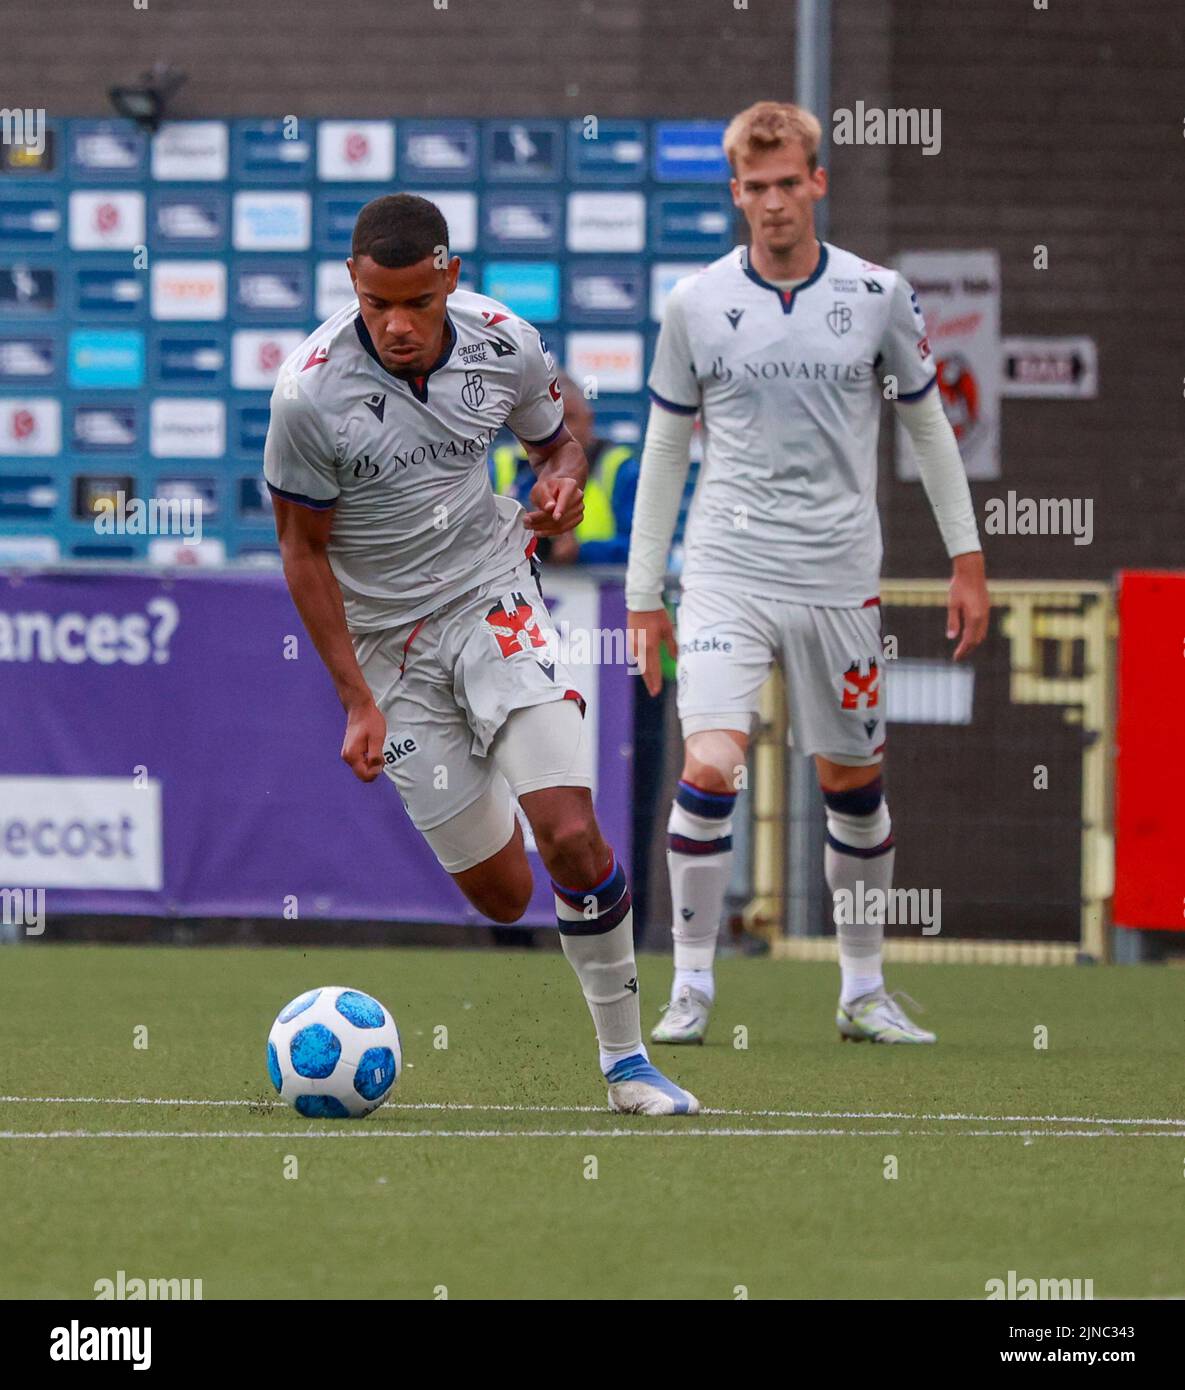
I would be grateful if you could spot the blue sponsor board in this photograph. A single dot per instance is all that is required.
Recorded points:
(530, 288)
(271, 289)
(255, 502)
(692, 224)
(605, 292)
(522, 222)
(105, 429)
(606, 151)
(110, 291)
(623, 421)
(189, 357)
(523, 151)
(334, 218)
(27, 289)
(180, 487)
(437, 151)
(107, 151)
(30, 221)
(30, 145)
(249, 430)
(690, 152)
(27, 359)
(189, 221)
(272, 219)
(112, 489)
(272, 151)
(65, 315)
(260, 556)
(33, 496)
(106, 358)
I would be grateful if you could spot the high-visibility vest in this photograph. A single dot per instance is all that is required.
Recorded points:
(599, 522)
(507, 460)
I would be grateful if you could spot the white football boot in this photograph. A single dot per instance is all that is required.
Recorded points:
(637, 1087)
(879, 1018)
(684, 1019)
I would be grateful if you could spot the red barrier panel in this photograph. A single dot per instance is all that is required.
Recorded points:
(1150, 753)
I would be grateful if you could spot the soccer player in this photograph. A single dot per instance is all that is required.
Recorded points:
(779, 346)
(419, 590)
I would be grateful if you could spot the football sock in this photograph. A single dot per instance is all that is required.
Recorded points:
(597, 933)
(858, 859)
(699, 859)
(702, 980)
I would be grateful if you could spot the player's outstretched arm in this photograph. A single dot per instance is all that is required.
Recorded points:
(666, 458)
(558, 496)
(968, 604)
(945, 480)
(304, 534)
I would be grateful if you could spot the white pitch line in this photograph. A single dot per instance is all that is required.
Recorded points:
(432, 1133)
(444, 1106)
(681, 1133)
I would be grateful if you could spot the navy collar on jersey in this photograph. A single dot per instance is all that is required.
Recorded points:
(418, 385)
(785, 297)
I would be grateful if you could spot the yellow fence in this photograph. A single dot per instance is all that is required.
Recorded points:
(1060, 638)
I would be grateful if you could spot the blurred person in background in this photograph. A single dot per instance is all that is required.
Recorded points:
(603, 537)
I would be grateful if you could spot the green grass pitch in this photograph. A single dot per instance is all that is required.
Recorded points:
(495, 1200)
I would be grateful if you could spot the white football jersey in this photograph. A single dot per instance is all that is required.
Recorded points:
(787, 383)
(402, 459)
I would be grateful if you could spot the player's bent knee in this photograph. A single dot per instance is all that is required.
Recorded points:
(500, 886)
(567, 835)
(714, 760)
(841, 777)
(500, 905)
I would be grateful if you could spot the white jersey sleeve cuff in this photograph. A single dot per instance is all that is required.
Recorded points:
(941, 470)
(666, 458)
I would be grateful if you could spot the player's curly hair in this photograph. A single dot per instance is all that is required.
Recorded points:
(768, 125)
(399, 229)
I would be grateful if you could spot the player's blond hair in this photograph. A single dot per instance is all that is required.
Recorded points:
(769, 125)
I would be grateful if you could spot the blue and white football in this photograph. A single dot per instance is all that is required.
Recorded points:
(334, 1053)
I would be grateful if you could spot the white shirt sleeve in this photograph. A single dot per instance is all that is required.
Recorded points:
(538, 414)
(672, 379)
(905, 347)
(941, 469)
(299, 462)
(662, 476)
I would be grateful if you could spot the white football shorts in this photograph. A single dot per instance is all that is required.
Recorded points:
(832, 660)
(446, 686)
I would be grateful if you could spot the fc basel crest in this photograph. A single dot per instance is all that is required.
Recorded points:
(839, 320)
(473, 392)
(515, 626)
(861, 689)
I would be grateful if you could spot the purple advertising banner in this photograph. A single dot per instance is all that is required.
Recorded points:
(169, 745)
